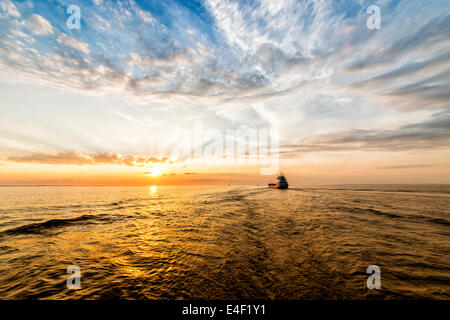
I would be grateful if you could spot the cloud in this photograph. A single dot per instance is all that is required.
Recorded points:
(431, 134)
(313, 64)
(82, 158)
(429, 34)
(9, 8)
(39, 25)
(413, 166)
(73, 43)
(159, 59)
(416, 68)
(286, 24)
(410, 69)
(238, 49)
(432, 90)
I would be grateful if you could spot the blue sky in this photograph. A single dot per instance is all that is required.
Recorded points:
(144, 69)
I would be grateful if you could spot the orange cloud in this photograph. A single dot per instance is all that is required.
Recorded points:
(82, 158)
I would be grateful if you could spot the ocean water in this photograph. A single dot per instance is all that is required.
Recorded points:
(225, 242)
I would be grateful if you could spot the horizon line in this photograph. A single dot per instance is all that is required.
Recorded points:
(213, 185)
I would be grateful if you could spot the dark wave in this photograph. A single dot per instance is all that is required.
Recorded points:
(372, 211)
(70, 207)
(432, 220)
(439, 221)
(42, 227)
(443, 190)
(399, 190)
(409, 218)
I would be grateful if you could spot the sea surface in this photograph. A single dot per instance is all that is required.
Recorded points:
(311, 242)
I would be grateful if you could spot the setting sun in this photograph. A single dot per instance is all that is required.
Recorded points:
(154, 171)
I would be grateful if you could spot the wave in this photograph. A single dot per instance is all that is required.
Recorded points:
(419, 189)
(433, 220)
(42, 227)
(409, 218)
(373, 211)
(70, 207)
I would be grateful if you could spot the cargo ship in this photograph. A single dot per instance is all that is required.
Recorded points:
(282, 182)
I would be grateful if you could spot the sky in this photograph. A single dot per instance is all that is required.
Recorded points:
(148, 92)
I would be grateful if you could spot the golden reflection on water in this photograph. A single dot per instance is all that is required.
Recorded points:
(222, 243)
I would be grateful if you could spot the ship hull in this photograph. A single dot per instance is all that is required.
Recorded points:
(278, 186)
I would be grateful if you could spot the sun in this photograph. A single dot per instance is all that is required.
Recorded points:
(154, 171)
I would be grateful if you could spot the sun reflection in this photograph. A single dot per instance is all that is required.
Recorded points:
(153, 189)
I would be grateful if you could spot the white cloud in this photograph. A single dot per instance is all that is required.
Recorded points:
(73, 43)
(271, 48)
(9, 7)
(39, 25)
(316, 71)
(289, 25)
(144, 15)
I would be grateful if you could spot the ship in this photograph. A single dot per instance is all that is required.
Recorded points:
(282, 182)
